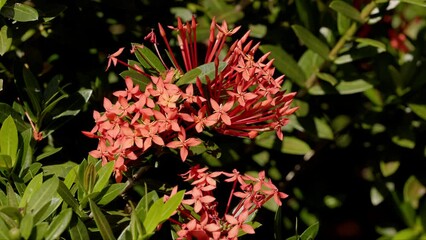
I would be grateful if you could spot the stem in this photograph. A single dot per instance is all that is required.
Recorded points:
(230, 196)
(350, 32)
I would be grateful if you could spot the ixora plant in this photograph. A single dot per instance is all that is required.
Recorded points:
(166, 107)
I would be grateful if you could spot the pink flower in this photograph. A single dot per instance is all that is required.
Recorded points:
(183, 144)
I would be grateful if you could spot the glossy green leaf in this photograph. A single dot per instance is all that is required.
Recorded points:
(160, 212)
(310, 62)
(111, 192)
(32, 171)
(145, 203)
(293, 145)
(407, 234)
(33, 186)
(59, 224)
(420, 3)
(285, 63)
(40, 229)
(135, 226)
(78, 229)
(5, 39)
(26, 157)
(311, 41)
(138, 78)
(413, 191)
(66, 195)
(203, 71)
(9, 139)
(104, 175)
(42, 196)
(6, 111)
(20, 12)
(48, 153)
(26, 226)
(311, 232)
(347, 10)
(101, 221)
(60, 170)
(149, 60)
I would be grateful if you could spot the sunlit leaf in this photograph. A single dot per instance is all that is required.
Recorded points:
(351, 87)
(311, 41)
(5, 40)
(111, 192)
(323, 129)
(78, 229)
(293, 145)
(347, 10)
(421, 3)
(9, 139)
(59, 224)
(26, 226)
(104, 175)
(418, 109)
(149, 60)
(33, 186)
(368, 41)
(20, 12)
(311, 232)
(42, 196)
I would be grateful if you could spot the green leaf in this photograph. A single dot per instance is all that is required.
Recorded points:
(406, 141)
(111, 192)
(421, 3)
(104, 175)
(59, 224)
(371, 42)
(295, 146)
(20, 12)
(418, 109)
(327, 77)
(48, 153)
(148, 59)
(285, 63)
(6, 111)
(413, 191)
(66, 195)
(347, 10)
(375, 196)
(305, 12)
(101, 221)
(5, 39)
(9, 139)
(2, 2)
(389, 168)
(203, 71)
(12, 197)
(311, 41)
(5, 161)
(311, 232)
(145, 203)
(42, 196)
(258, 30)
(27, 154)
(74, 103)
(323, 129)
(351, 87)
(78, 229)
(32, 171)
(60, 170)
(26, 226)
(171, 205)
(33, 89)
(138, 78)
(310, 62)
(33, 186)
(343, 23)
(222, 11)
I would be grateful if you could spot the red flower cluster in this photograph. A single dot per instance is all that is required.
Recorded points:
(198, 215)
(242, 98)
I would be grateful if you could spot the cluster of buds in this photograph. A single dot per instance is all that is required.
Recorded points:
(198, 215)
(241, 98)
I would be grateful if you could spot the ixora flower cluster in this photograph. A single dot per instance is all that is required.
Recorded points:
(198, 215)
(230, 93)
